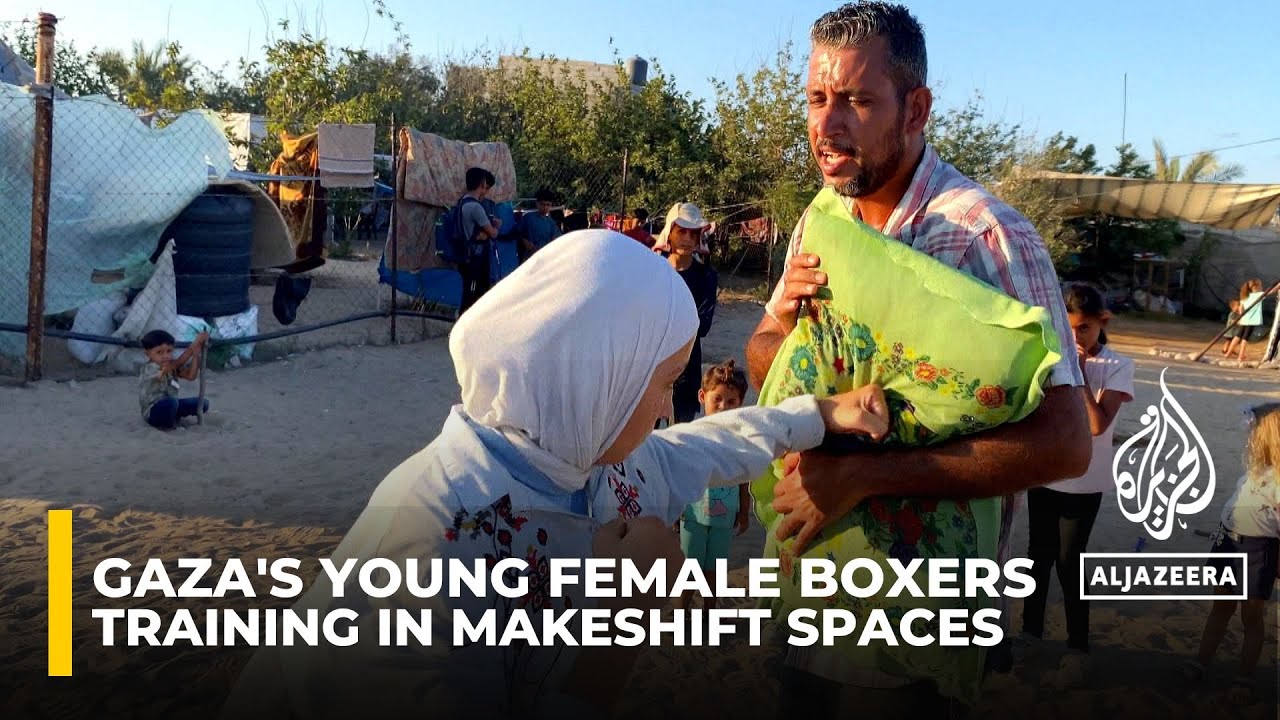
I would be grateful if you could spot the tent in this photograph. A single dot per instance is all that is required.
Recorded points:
(430, 177)
(1221, 205)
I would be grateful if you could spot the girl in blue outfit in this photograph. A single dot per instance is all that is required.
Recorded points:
(707, 527)
(563, 368)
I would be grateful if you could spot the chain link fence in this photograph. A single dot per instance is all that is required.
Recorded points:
(150, 228)
(157, 221)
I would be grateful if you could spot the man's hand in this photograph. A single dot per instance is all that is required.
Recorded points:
(742, 522)
(643, 541)
(497, 223)
(800, 282)
(814, 492)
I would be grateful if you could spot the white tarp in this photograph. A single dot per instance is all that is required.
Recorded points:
(1222, 205)
(116, 185)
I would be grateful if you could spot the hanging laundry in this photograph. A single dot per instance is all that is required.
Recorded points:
(346, 155)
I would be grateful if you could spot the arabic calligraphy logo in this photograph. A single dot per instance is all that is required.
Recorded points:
(1175, 475)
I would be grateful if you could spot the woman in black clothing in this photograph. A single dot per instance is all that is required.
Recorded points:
(679, 243)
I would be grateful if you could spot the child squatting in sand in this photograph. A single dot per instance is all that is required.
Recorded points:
(158, 382)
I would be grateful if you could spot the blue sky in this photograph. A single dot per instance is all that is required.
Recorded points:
(1200, 76)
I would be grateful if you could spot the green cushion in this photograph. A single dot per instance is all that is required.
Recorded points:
(955, 356)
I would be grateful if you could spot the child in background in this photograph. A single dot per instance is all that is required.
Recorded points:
(1061, 515)
(1233, 332)
(539, 228)
(1250, 525)
(707, 526)
(158, 382)
(1251, 318)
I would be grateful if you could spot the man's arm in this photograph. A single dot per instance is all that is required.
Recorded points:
(485, 230)
(762, 348)
(1051, 444)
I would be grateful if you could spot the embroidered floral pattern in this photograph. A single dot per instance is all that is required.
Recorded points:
(628, 496)
(803, 365)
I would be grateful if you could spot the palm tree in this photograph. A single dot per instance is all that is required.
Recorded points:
(141, 79)
(1202, 167)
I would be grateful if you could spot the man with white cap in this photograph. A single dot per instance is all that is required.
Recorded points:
(687, 216)
(680, 242)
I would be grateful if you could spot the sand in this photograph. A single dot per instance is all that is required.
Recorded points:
(292, 449)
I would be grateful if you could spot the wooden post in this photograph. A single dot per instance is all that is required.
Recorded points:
(1270, 354)
(41, 174)
(1243, 311)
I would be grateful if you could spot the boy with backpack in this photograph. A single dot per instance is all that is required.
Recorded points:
(468, 232)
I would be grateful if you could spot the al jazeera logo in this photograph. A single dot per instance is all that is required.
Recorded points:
(1163, 474)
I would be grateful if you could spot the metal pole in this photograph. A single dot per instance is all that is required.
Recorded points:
(773, 241)
(1124, 122)
(204, 362)
(623, 211)
(395, 201)
(41, 174)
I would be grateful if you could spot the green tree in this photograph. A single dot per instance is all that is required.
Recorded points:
(1201, 167)
(1129, 164)
(978, 147)
(1061, 154)
(74, 73)
(762, 136)
(160, 78)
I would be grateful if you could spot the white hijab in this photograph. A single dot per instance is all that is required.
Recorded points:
(557, 356)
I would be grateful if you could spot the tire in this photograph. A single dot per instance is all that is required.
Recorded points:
(222, 209)
(221, 238)
(234, 264)
(212, 295)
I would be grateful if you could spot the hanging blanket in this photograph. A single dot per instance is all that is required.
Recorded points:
(432, 175)
(954, 356)
(435, 168)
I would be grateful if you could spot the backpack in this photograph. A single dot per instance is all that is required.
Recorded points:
(451, 241)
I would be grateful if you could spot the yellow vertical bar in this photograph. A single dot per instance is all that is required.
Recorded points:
(59, 593)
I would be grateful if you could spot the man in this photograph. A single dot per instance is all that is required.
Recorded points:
(539, 228)
(640, 233)
(480, 229)
(868, 105)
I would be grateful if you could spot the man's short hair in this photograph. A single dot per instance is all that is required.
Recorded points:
(642, 214)
(854, 24)
(544, 195)
(477, 176)
(155, 339)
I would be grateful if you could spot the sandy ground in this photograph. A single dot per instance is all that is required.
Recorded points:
(293, 447)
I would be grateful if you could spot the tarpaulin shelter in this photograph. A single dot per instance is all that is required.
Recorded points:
(116, 186)
(337, 156)
(1220, 205)
(430, 178)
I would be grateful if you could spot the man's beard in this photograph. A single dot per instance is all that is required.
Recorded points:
(874, 173)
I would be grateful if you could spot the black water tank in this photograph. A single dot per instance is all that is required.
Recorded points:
(213, 244)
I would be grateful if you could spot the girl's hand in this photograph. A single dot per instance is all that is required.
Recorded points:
(864, 410)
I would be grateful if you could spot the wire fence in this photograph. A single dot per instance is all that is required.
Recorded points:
(151, 229)
(118, 222)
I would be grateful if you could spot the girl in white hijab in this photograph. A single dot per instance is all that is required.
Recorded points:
(564, 368)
